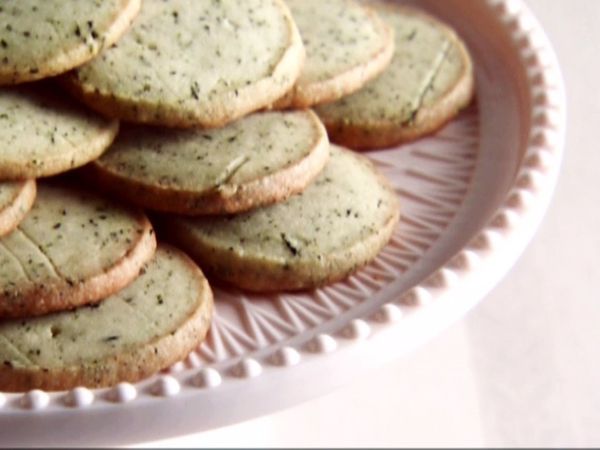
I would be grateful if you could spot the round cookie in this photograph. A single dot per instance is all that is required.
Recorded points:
(338, 224)
(43, 134)
(195, 63)
(257, 160)
(153, 323)
(16, 199)
(72, 248)
(346, 43)
(40, 39)
(429, 80)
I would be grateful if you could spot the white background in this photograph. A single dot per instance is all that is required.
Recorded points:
(523, 368)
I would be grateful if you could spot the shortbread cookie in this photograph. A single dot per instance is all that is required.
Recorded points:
(428, 82)
(189, 63)
(346, 43)
(338, 224)
(16, 199)
(40, 39)
(43, 134)
(154, 322)
(73, 248)
(258, 160)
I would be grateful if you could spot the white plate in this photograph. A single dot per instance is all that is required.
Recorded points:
(472, 195)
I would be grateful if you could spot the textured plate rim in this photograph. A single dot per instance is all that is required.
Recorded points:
(515, 222)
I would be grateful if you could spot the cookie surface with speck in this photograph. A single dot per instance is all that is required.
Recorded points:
(429, 80)
(152, 323)
(337, 225)
(16, 199)
(43, 134)
(260, 159)
(72, 248)
(195, 63)
(40, 39)
(347, 44)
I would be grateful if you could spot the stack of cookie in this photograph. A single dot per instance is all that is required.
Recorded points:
(196, 112)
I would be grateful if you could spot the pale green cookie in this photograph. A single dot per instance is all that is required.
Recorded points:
(152, 323)
(43, 38)
(346, 43)
(257, 160)
(16, 199)
(72, 248)
(188, 63)
(43, 134)
(428, 81)
(337, 225)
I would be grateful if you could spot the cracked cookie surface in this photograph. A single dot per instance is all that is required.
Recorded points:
(429, 80)
(258, 160)
(152, 323)
(337, 225)
(72, 248)
(40, 39)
